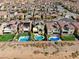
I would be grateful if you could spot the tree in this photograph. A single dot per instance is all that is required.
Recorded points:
(45, 33)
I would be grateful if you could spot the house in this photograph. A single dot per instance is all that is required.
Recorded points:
(76, 32)
(76, 25)
(14, 25)
(24, 26)
(66, 27)
(38, 27)
(8, 27)
(67, 20)
(53, 28)
(20, 16)
(5, 28)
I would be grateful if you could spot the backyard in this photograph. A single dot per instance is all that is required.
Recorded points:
(68, 38)
(10, 37)
(6, 37)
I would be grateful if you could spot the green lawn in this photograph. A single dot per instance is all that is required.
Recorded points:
(32, 37)
(68, 38)
(6, 37)
(22, 34)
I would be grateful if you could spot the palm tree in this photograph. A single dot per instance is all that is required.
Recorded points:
(33, 14)
(45, 33)
(60, 30)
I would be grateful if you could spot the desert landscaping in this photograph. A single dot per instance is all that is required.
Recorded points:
(39, 50)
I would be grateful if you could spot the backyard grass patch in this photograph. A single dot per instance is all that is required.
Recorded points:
(68, 38)
(22, 34)
(6, 37)
(32, 37)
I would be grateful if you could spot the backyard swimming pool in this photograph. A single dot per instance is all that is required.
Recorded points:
(54, 39)
(24, 39)
(39, 37)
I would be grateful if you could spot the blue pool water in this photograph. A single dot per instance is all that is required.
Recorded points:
(39, 37)
(24, 39)
(54, 38)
